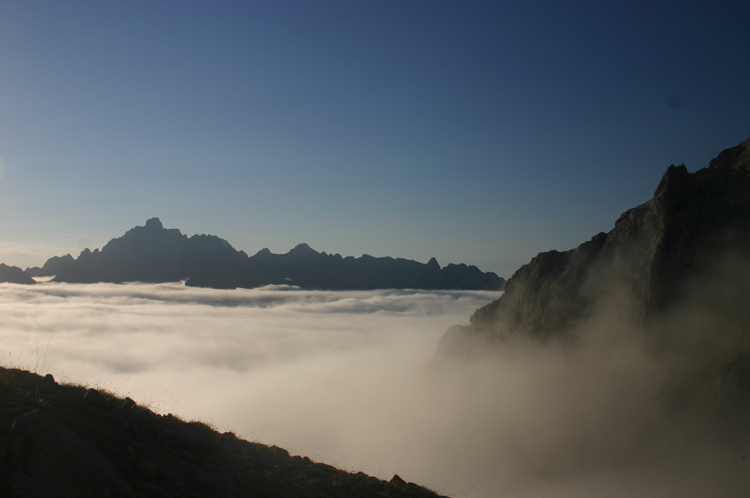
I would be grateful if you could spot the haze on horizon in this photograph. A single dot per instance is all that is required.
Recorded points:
(478, 132)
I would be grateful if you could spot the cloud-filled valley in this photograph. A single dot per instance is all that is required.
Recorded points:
(346, 378)
(307, 370)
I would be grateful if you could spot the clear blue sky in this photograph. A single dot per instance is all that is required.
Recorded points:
(476, 132)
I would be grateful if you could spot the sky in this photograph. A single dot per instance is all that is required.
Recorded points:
(476, 132)
(349, 378)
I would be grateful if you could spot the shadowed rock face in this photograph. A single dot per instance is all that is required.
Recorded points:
(152, 253)
(653, 255)
(669, 285)
(14, 275)
(69, 441)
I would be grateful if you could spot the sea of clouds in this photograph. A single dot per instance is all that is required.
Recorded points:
(322, 373)
(346, 378)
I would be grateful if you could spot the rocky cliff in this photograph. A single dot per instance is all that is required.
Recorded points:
(152, 253)
(668, 287)
(674, 273)
(69, 441)
(653, 257)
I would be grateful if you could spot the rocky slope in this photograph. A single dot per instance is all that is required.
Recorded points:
(69, 441)
(152, 253)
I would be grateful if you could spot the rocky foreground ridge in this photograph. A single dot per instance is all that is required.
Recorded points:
(70, 441)
(152, 253)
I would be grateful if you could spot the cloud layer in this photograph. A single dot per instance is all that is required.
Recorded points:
(345, 378)
(317, 372)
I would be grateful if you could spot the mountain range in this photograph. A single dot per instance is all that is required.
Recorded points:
(152, 253)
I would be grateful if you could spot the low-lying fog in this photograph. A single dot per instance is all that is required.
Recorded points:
(343, 378)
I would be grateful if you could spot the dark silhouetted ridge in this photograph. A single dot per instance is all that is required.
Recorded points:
(69, 441)
(53, 266)
(152, 253)
(14, 275)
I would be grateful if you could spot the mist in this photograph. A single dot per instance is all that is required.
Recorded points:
(350, 379)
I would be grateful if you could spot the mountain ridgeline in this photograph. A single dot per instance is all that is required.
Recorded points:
(152, 253)
(14, 275)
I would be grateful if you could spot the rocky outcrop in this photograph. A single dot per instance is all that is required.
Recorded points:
(653, 255)
(14, 275)
(152, 253)
(69, 441)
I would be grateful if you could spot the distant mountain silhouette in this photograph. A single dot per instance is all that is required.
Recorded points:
(14, 275)
(152, 253)
(53, 266)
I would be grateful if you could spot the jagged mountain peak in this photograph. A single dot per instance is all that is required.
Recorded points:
(303, 249)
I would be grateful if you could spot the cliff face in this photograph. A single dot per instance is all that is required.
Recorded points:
(654, 255)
